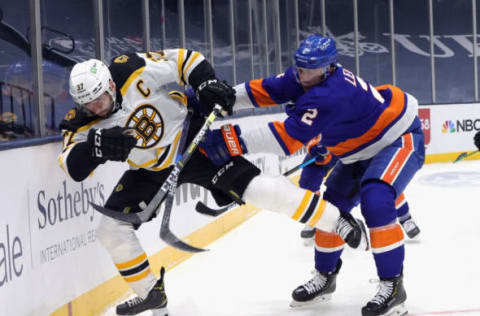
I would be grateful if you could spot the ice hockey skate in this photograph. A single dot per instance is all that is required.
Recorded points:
(389, 300)
(318, 289)
(156, 301)
(353, 231)
(410, 228)
(308, 235)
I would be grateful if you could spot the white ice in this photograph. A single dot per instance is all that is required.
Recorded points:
(253, 269)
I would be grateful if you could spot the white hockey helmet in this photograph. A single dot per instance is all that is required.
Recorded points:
(89, 80)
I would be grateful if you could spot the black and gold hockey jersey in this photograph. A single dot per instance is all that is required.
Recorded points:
(144, 104)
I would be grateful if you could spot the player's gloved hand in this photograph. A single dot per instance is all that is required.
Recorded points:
(321, 153)
(476, 139)
(213, 92)
(113, 143)
(312, 176)
(222, 144)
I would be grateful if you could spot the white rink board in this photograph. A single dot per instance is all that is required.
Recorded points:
(450, 128)
(51, 256)
(48, 248)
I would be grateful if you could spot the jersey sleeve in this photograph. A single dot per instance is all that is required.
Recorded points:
(75, 159)
(269, 91)
(270, 138)
(183, 66)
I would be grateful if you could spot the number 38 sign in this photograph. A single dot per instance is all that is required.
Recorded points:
(424, 115)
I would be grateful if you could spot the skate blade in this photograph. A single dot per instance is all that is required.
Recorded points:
(399, 310)
(160, 312)
(317, 300)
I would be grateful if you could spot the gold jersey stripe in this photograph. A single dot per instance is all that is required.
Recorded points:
(143, 165)
(131, 263)
(303, 205)
(84, 128)
(179, 96)
(132, 77)
(192, 59)
(138, 277)
(181, 56)
(167, 163)
(318, 213)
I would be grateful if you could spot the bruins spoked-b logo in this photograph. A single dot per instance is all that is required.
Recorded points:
(148, 123)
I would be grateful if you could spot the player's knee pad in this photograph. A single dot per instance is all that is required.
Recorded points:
(343, 203)
(234, 177)
(378, 203)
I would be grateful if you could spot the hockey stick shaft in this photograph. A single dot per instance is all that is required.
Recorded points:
(153, 206)
(202, 208)
(300, 166)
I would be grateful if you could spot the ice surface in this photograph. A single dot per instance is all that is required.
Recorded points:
(252, 270)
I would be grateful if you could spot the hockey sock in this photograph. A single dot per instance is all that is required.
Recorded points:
(122, 244)
(388, 250)
(328, 249)
(386, 236)
(280, 195)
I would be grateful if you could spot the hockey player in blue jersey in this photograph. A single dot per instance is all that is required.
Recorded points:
(311, 179)
(377, 137)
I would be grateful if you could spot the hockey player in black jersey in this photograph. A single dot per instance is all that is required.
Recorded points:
(124, 113)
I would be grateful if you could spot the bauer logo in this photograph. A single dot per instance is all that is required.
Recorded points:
(448, 127)
(66, 204)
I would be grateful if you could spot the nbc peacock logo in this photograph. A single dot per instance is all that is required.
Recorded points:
(448, 127)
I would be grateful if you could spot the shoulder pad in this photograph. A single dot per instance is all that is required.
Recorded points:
(75, 119)
(123, 66)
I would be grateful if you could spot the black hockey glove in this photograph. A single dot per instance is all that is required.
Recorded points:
(213, 92)
(113, 143)
(476, 139)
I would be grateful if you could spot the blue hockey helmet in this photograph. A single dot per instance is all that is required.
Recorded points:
(316, 51)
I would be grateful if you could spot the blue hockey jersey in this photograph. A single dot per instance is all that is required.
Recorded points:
(355, 119)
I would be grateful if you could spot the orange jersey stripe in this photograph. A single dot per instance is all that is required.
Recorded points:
(386, 235)
(395, 108)
(399, 199)
(400, 158)
(291, 143)
(262, 97)
(328, 240)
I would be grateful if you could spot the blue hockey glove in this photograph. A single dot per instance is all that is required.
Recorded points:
(313, 174)
(222, 144)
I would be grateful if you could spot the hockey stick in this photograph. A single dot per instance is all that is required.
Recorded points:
(204, 209)
(465, 155)
(167, 189)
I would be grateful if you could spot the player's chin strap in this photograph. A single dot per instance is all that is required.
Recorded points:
(167, 190)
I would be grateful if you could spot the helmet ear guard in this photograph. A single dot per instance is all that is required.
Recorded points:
(88, 81)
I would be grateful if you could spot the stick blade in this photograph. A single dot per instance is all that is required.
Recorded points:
(170, 239)
(133, 218)
(203, 209)
(460, 157)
